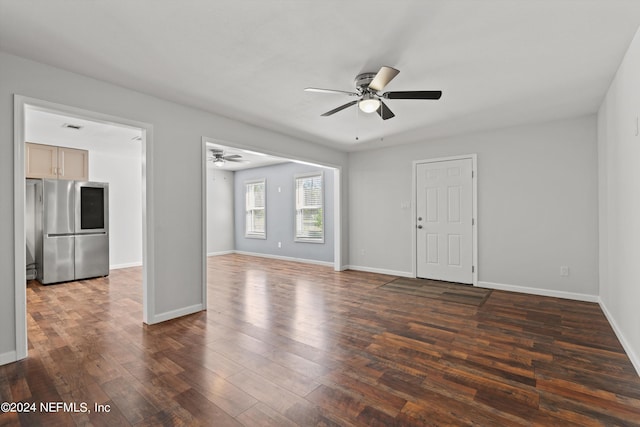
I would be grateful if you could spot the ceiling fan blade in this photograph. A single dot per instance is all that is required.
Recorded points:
(232, 156)
(384, 112)
(341, 92)
(384, 76)
(414, 94)
(234, 159)
(340, 108)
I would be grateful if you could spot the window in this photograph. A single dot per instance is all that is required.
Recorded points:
(309, 213)
(256, 215)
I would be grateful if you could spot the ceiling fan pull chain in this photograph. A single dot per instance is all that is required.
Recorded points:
(357, 122)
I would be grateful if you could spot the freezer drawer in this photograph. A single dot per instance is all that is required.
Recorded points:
(57, 259)
(92, 255)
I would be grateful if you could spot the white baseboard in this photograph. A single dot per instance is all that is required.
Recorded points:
(221, 253)
(537, 291)
(381, 271)
(285, 258)
(126, 265)
(173, 314)
(635, 358)
(8, 357)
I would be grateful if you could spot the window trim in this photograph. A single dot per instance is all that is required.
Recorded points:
(296, 177)
(247, 234)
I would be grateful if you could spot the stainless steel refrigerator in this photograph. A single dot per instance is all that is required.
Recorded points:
(70, 229)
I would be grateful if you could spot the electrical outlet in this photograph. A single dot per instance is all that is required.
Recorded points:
(279, 244)
(564, 270)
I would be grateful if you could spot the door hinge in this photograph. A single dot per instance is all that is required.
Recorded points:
(472, 174)
(473, 268)
(473, 221)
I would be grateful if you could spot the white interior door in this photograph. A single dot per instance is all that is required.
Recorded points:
(444, 215)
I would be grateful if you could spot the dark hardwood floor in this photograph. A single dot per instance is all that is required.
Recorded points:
(286, 344)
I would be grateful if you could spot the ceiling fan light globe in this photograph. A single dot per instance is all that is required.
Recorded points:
(218, 162)
(369, 105)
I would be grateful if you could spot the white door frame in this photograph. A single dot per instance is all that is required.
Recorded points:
(337, 211)
(414, 199)
(20, 104)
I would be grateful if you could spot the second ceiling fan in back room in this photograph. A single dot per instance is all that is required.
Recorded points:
(218, 157)
(368, 91)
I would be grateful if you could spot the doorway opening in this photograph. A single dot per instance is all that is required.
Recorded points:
(445, 237)
(224, 218)
(33, 119)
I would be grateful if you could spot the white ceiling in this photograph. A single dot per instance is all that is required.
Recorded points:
(44, 127)
(498, 62)
(249, 159)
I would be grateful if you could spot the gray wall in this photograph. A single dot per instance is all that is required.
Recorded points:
(220, 217)
(537, 204)
(281, 213)
(619, 176)
(174, 184)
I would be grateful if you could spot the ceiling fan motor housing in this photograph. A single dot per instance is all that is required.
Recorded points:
(362, 81)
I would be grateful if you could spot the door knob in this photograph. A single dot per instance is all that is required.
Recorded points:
(419, 226)
(419, 218)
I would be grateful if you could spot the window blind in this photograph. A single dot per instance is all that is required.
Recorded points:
(255, 222)
(309, 204)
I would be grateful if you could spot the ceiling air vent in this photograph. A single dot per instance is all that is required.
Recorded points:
(72, 126)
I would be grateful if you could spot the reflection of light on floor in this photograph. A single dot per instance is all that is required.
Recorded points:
(256, 299)
(309, 314)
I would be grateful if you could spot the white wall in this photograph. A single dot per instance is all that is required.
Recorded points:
(220, 217)
(174, 183)
(619, 185)
(537, 206)
(124, 175)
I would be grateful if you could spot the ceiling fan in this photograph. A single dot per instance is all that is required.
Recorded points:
(218, 158)
(368, 91)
